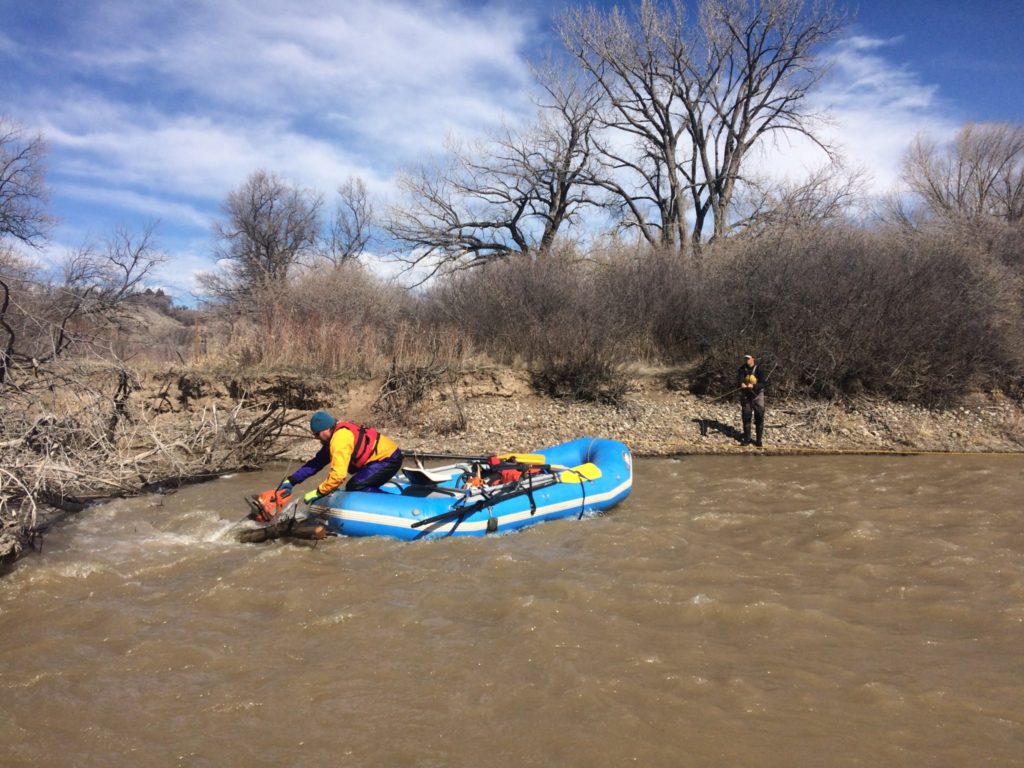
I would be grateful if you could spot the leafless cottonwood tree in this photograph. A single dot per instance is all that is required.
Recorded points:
(351, 229)
(979, 175)
(23, 218)
(692, 101)
(636, 64)
(23, 194)
(269, 226)
(513, 194)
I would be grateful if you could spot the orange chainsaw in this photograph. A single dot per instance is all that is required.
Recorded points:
(265, 507)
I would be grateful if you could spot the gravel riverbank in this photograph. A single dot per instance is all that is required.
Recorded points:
(500, 413)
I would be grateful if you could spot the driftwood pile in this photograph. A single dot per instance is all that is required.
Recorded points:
(77, 439)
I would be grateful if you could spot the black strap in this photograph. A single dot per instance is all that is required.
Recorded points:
(529, 492)
(488, 500)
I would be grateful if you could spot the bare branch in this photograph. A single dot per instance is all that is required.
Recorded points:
(977, 176)
(351, 229)
(514, 194)
(269, 226)
(23, 194)
(685, 104)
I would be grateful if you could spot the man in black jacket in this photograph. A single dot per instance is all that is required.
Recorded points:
(751, 382)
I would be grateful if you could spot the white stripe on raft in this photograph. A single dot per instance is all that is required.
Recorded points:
(391, 521)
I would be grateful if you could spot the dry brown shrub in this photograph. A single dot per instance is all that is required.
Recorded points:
(550, 313)
(838, 311)
(342, 320)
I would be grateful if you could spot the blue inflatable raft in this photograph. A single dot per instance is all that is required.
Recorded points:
(460, 499)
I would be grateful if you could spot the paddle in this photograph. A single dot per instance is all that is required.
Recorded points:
(578, 474)
(524, 458)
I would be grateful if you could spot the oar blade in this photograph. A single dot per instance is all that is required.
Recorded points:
(523, 458)
(579, 474)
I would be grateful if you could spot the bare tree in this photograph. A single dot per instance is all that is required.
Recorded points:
(977, 176)
(352, 226)
(759, 67)
(513, 194)
(269, 226)
(90, 297)
(826, 196)
(564, 150)
(96, 286)
(636, 64)
(694, 100)
(22, 185)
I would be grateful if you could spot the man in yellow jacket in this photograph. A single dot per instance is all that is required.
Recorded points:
(351, 449)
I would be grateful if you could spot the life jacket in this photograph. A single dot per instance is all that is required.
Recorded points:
(366, 439)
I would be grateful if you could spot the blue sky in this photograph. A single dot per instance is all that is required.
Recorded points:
(153, 111)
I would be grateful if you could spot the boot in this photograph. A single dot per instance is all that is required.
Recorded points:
(760, 434)
(746, 434)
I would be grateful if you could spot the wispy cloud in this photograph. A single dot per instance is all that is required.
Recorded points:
(862, 75)
(395, 74)
(156, 110)
(114, 146)
(196, 97)
(878, 106)
(871, 107)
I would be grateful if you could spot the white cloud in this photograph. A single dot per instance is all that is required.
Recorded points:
(395, 73)
(159, 109)
(179, 275)
(155, 207)
(162, 97)
(873, 109)
(878, 107)
(194, 157)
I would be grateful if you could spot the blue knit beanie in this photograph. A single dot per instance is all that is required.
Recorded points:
(321, 420)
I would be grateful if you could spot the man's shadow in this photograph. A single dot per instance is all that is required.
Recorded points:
(708, 425)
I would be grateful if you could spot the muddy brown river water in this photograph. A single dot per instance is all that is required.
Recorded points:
(733, 611)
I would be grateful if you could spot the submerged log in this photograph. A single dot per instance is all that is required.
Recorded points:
(290, 528)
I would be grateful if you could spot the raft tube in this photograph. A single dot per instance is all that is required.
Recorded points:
(581, 477)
